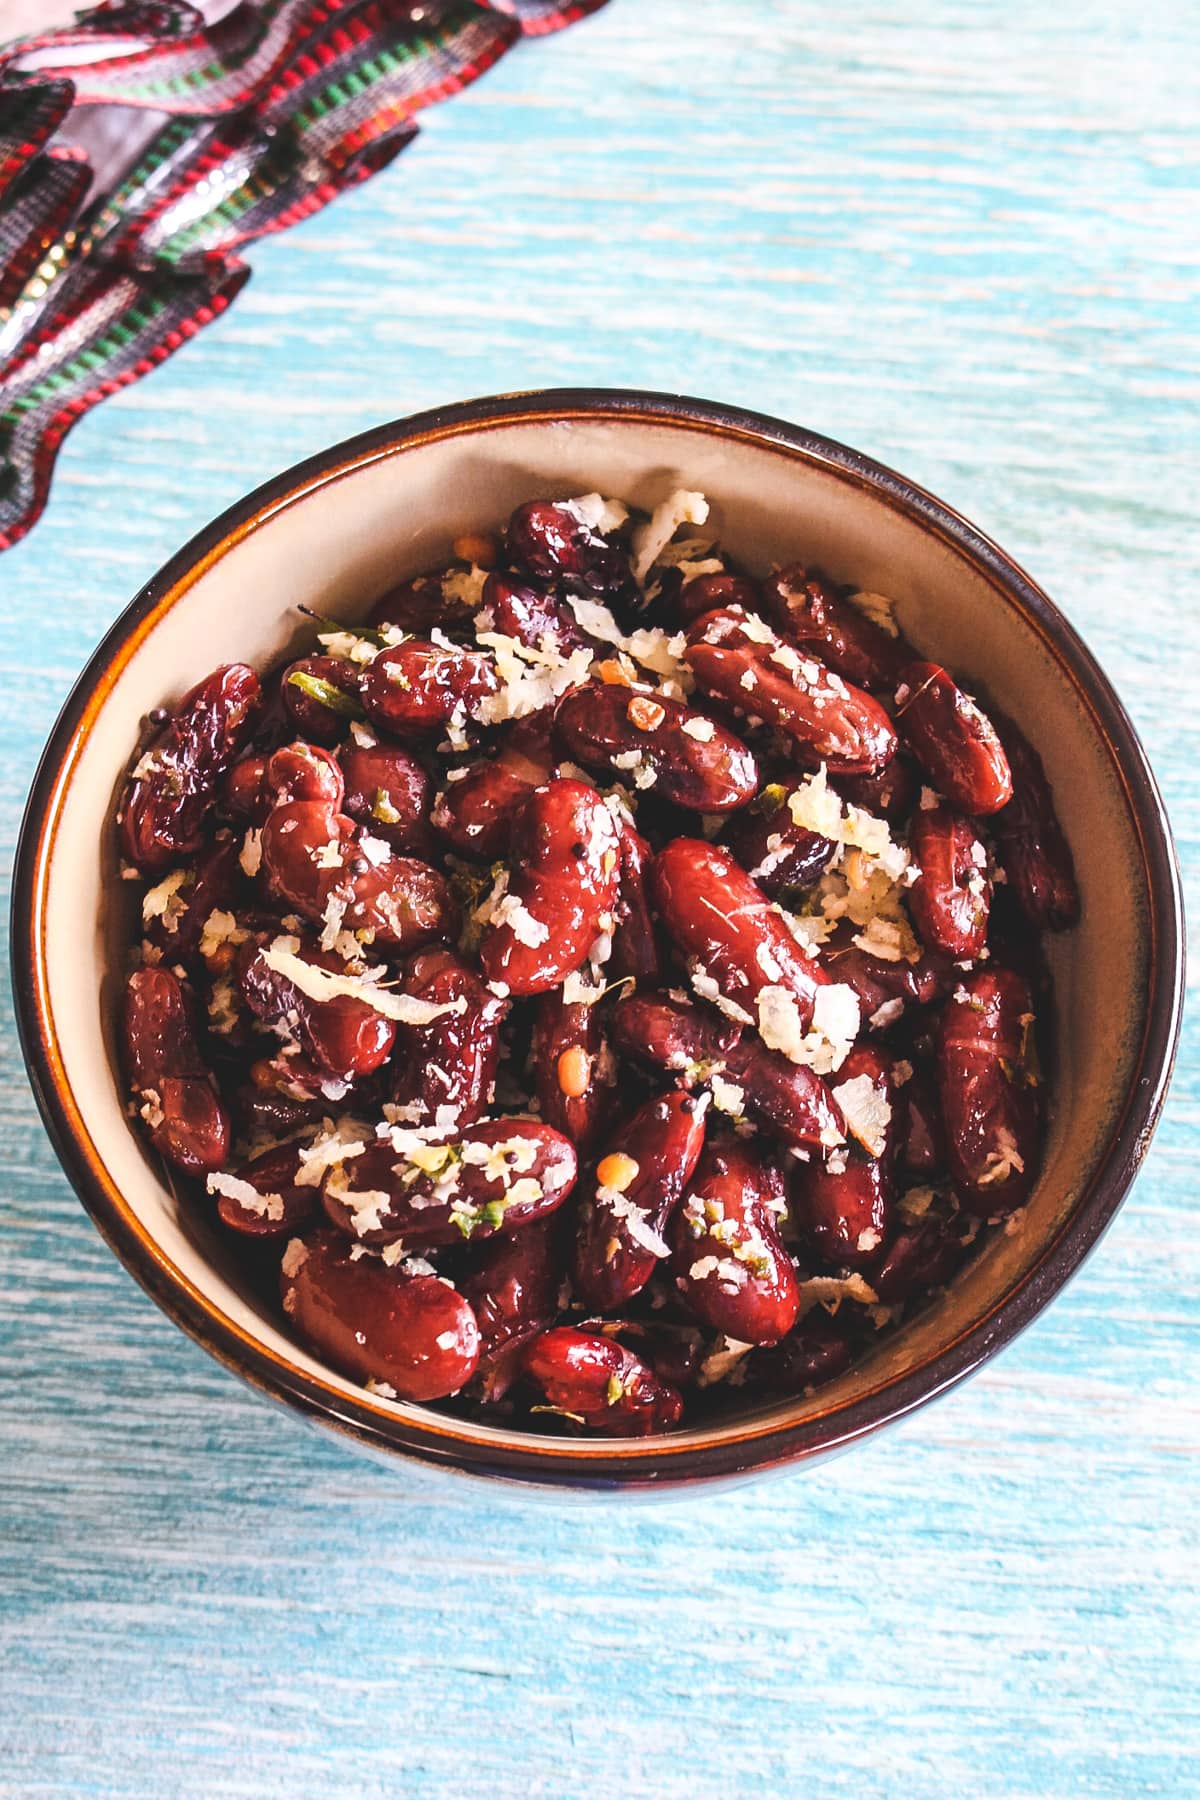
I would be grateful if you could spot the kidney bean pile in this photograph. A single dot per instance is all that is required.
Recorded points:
(601, 989)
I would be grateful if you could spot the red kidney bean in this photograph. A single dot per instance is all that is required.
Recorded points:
(524, 612)
(387, 794)
(169, 794)
(209, 887)
(776, 853)
(514, 1293)
(950, 900)
(421, 686)
(418, 605)
(619, 1238)
(688, 759)
(564, 881)
(889, 792)
(721, 921)
(986, 1084)
(921, 1255)
(572, 1069)
(885, 990)
(376, 1323)
(828, 720)
(320, 695)
(602, 1384)
(708, 593)
(313, 863)
(496, 1176)
(265, 1112)
(635, 947)
(346, 1037)
(806, 608)
(815, 1352)
(672, 1351)
(672, 1034)
(475, 814)
(789, 1098)
(551, 544)
(922, 1140)
(243, 791)
(1033, 851)
(953, 741)
(844, 1205)
(270, 1204)
(173, 1089)
(303, 772)
(451, 1062)
(727, 1257)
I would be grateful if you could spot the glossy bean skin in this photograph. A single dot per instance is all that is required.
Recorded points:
(303, 773)
(450, 1062)
(376, 1323)
(419, 686)
(548, 542)
(708, 593)
(727, 1257)
(600, 725)
(619, 1234)
(954, 742)
(921, 1255)
(886, 990)
(474, 815)
(565, 873)
(815, 1351)
(987, 1090)
(387, 793)
(890, 791)
(950, 899)
(418, 605)
(671, 1350)
(405, 1208)
(165, 804)
(569, 1030)
(779, 855)
(513, 1290)
(311, 859)
(1033, 851)
(284, 1208)
(636, 951)
(210, 886)
(922, 1139)
(806, 608)
(846, 1210)
(310, 717)
(173, 1089)
(720, 920)
(344, 1036)
(243, 791)
(694, 1044)
(662, 1033)
(520, 610)
(789, 1098)
(601, 1383)
(828, 720)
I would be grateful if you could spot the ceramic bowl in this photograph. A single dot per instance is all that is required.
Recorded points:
(333, 534)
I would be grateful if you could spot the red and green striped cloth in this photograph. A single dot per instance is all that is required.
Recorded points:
(270, 114)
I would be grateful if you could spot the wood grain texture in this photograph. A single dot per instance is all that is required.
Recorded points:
(963, 240)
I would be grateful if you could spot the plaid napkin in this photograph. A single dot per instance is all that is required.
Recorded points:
(145, 144)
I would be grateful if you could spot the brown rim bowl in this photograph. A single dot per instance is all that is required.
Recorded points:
(333, 534)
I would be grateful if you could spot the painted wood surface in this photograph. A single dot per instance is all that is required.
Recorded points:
(963, 238)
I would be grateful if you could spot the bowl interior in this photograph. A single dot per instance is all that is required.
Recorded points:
(339, 539)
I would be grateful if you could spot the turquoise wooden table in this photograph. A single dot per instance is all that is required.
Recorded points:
(964, 242)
